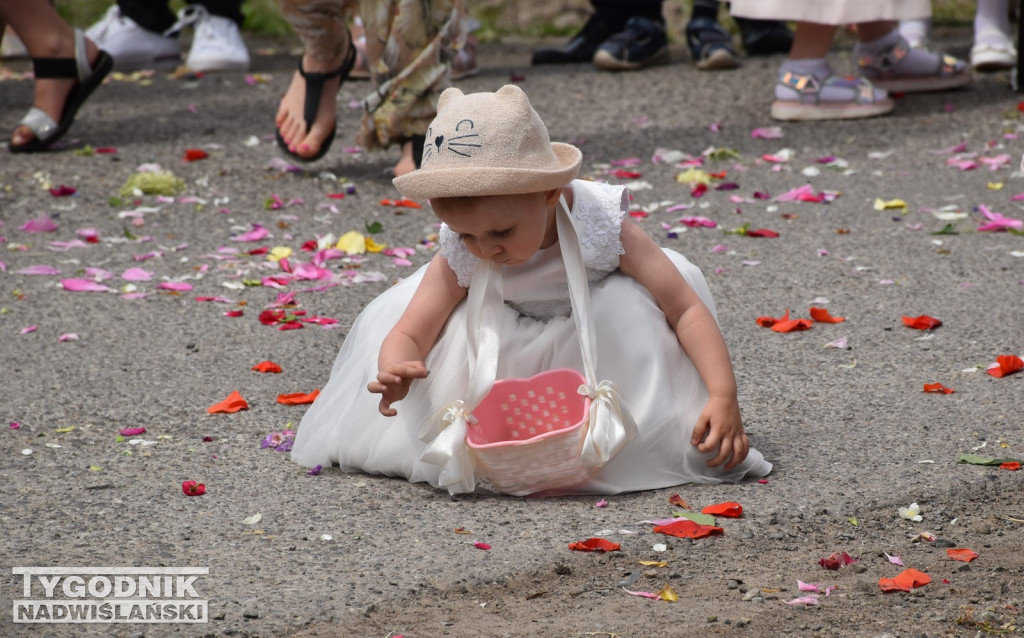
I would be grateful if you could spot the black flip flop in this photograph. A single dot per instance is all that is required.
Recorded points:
(88, 78)
(311, 103)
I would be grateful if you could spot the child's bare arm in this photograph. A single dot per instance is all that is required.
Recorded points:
(404, 349)
(719, 426)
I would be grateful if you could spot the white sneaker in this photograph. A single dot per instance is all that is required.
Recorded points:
(131, 46)
(993, 50)
(216, 41)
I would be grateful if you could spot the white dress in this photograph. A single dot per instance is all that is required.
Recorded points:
(836, 12)
(635, 348)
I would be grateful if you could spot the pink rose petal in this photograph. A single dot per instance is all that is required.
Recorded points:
(67, 336)
(39, 270)
(83, 285)
(136, 274)
(131, 431)
(41, 225)
(257, 233)
(27, 329)
(176, 286)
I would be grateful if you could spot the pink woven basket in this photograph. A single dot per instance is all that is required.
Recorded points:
(529, 433)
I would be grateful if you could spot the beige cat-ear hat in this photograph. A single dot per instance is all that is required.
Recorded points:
(489, 144)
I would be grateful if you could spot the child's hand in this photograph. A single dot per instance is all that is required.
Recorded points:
(393, 381)
(719, 427)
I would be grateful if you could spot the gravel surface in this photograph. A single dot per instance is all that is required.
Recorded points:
(851, 433)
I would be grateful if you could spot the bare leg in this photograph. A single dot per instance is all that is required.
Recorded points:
(870, 31)
(46, 35)
(812, 40)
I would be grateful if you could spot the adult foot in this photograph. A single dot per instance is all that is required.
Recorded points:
(291, 120)
(51, 95)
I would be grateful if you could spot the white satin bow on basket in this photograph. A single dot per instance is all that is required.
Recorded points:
(609, 423)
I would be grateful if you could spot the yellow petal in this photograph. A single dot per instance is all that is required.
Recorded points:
(995, 186)
(352, 242)
(668, 594)
(881, 204)
(654, 563)
(374, 247)
(693, 175)
(277, 253)
(70, 428)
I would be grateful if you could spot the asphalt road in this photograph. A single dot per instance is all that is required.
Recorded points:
(851, 433)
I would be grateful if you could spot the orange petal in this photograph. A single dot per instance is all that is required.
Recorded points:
(688, 529)
(729, 509)
(1008, 364)
(937, 387)
(922, 322)
(267, 366)
(298, 398)
(232, 404)
(906, 580)
(822, 316)
(792, 325)
(768, 322)
(962, 554)
(594, 545)
(1013, 466)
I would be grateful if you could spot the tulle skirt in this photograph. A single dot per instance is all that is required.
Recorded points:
(636, 348)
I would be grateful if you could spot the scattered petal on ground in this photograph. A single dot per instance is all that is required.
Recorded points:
(1005, 364)
(821, 315)
(961, 554)
(191, 488)
(298, 398)
(267, 366)
(921, 322)
(232, 404)
(906, 580)
(729, 509)
(594, 545)
(689, 529)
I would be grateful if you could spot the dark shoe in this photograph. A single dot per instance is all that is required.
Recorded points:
(87, 77)
(642, 43)
(710, 45)
(764, 37)
(583, 45)
(311, 103)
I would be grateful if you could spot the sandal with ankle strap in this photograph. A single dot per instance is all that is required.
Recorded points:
(800, 97)
(884, 70)
(87, 78)
(311, 104)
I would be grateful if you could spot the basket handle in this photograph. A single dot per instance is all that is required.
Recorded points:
(611, 425)
(446, 428)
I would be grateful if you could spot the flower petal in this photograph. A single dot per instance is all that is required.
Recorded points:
(594, 545)
(232, 404)
(298, 398)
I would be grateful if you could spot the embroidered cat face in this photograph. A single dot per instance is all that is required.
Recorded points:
(462, 141)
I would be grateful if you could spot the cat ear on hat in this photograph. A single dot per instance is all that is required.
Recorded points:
(448, 95)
